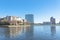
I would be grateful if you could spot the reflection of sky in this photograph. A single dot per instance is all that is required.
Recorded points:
(42, 9)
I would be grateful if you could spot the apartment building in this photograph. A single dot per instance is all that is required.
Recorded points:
(13, 20)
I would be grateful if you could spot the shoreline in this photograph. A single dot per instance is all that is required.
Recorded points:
(14, 25)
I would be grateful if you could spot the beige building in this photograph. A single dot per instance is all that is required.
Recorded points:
(14, 20)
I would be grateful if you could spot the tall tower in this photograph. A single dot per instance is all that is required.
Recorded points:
(29, 18)
(52, 20)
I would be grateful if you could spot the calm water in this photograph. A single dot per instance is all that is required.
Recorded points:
(30, 33)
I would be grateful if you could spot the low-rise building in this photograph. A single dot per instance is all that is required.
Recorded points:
(13, 20)
(46, 23)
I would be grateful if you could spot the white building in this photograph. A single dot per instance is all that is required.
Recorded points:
(13, 18)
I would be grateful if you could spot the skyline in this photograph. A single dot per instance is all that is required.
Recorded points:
(30, 18)
(41, 9)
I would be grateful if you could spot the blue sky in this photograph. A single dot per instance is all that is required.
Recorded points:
(41, 9)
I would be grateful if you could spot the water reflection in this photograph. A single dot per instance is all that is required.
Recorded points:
(15, 31)
(10, 33)
(29, 32)
(53, 32)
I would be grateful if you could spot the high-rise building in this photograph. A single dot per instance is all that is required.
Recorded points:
(29, 18)
(52, 20)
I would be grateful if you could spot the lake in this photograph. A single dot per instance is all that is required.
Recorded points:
(33, 32)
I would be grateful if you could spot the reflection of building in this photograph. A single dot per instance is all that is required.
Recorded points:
(12, 32)
(53, 31)
(52, 20)
(29, 18)
(29, 32)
